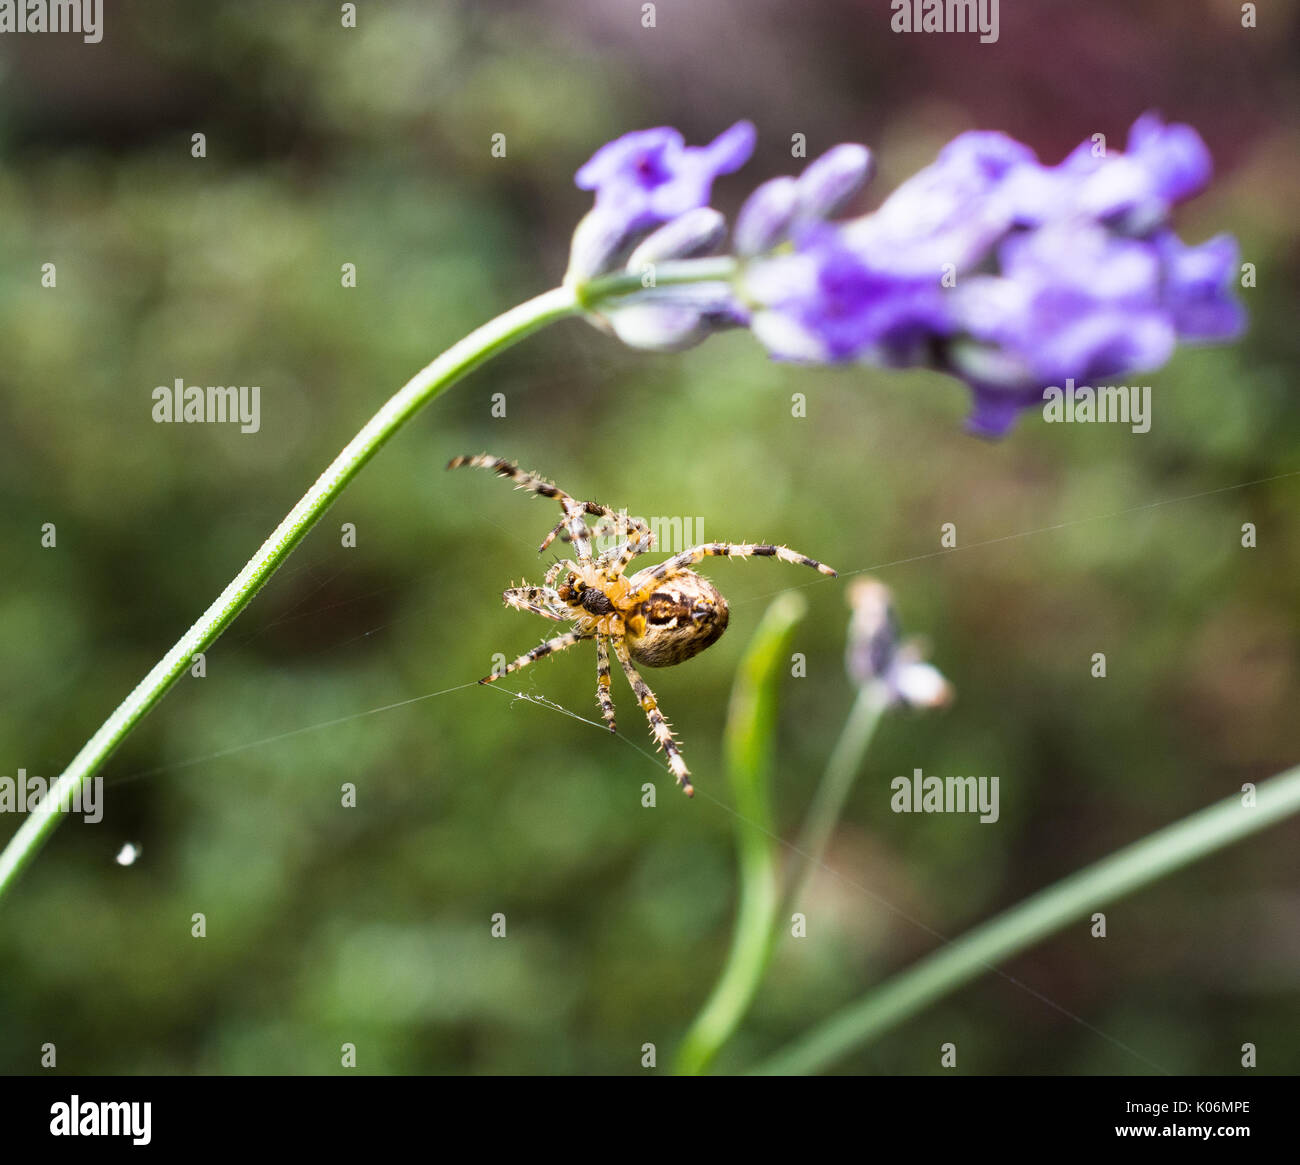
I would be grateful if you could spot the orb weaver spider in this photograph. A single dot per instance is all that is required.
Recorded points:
(660, 616)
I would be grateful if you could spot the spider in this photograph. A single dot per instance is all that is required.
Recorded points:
(659, 616)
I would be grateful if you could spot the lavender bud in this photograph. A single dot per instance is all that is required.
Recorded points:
(765, 218)
(829, 182)
(598, 243)
(696, 232)
(877, 654)
(672, 318)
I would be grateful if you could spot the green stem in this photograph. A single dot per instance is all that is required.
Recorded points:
(750, 736)
(669, 273)
(841, 771)
(1037, 917)
(462, 357)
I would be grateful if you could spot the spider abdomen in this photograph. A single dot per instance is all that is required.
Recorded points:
(682, 616)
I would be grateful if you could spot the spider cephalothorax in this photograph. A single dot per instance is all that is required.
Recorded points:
(660, 616)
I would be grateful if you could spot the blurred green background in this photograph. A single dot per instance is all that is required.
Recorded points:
(371, 925)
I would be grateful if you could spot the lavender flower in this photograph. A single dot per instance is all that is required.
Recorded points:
(1070, 301)
(826, 303)
(953, 211)
(779, 207)
(1196, 283)
(651, 175)
(652, 194)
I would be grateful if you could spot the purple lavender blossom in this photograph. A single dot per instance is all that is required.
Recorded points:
(651, 206)
(1196, 287)
(1131, 191)
(1070, 300)
(784, 206)
(652, 194)
(954, 211)
(826, 303)
(651, 175)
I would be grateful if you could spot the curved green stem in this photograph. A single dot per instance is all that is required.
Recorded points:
(750, 733)
(462, 357)
(1037, 917)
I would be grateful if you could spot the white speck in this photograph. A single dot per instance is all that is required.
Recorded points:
(127, 854)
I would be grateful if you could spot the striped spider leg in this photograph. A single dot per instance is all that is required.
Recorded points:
(539, 600)
(645, 581)
(632, 537)
(663, 733)
(574, 520)
(550, 647)
(604, 692)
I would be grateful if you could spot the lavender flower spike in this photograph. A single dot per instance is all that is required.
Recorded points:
(1013, 276)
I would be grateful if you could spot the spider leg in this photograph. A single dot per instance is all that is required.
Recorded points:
(687, 558)
(604, 696)
(573, 519)
(637, 537)
(611, 523)
(503, 468)
(559, 643)
(557, 568)
(658, 725)
(539, 600)
(633, 535)
(573, 526)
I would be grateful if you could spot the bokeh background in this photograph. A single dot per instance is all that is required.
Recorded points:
(371, 925)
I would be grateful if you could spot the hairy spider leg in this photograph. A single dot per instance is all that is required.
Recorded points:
(559, 643)
(640, 539)
(658, 725)
(539, 600)
(573, 519)
(604, 694)
(557, 568)
(687, 558)
(633, 535)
